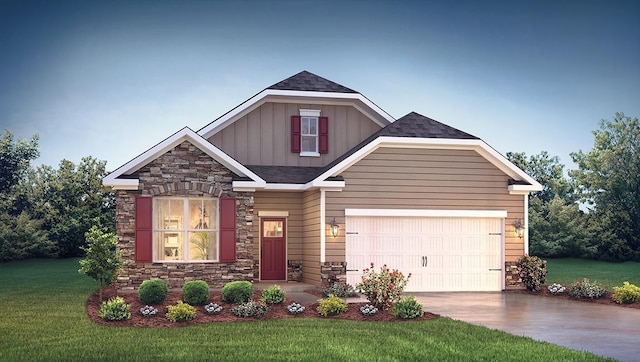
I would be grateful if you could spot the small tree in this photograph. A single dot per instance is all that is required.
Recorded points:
(102, 262)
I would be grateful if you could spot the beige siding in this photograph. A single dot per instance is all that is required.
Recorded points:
(263, 136)
(311, 237)
(396, 178)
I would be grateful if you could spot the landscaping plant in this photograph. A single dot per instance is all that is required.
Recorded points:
(195, 292)
(102, 261)
(181, 312)
(382, 289)
(556, 289)
(331, 306)
(533, 271)
(273, 295)
(250, 309)
(237, 292)
(212, 309)
(338, 289)
(408, 308)
(586, 289)
(368, 310)
(148, 311)
(153, 291)
(295, 308)
(115, 309)
(627, 293)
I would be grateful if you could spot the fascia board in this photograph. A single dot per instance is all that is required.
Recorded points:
(120, 184)
(426, 213)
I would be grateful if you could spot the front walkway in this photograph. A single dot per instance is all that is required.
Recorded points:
(608, 331)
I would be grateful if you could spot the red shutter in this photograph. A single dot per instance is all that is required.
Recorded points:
(227, 229)
(144, 229)
(323, 128)
(295, 134)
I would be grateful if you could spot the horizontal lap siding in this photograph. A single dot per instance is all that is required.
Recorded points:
(281, 201)
(311, 237)
(394, 178)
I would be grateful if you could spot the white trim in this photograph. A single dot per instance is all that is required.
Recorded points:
(503, 252)
(323, 226)
(526, 224)
(310, 154)
(310, 113)
(426, 213)
(185, 134)
(273, 213)
(521, 189)
(251, 186)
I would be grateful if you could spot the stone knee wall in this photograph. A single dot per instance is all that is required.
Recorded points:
(512, 279)
(331, 272)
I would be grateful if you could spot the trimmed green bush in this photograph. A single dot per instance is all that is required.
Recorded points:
(153, 291)
(273, 295)
(341, 290)
(331, 306)
(250, 309)
(533, 272)
(237, 292)
(408, 308)
(195, 292)
(627, 293)
(586, 289)
(181, 312)
(115, 309)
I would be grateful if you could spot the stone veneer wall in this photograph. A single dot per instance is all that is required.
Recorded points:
(331, 272)
(512, 279)
(184, 171)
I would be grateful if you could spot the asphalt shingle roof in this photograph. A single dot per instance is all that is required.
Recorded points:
(307, 81)
(417, 125)
(288, 174)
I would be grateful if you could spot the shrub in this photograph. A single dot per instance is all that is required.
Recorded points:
(533, 271)
(148, 311)
(341, 290)
(627, 293)
(556, 289)
(408, 308)
(237, 292)
(382, 289)
(195, 292)
(181, 312)
(368, 310)
(153, 291)
(212, 309)
(331, 306)
(295, 308)
(250, 309)
(115, 309)
(273, 295)
(586, 289)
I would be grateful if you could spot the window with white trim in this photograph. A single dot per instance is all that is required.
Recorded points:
(309, 136)
(185, 229)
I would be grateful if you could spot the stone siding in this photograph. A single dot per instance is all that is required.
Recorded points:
(332, 272)
(184, 171)
(512, 279)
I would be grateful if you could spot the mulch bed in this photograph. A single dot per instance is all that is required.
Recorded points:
(606, 299)
(275, 312)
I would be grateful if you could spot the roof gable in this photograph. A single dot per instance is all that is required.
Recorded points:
(417, 125)
(309, 82)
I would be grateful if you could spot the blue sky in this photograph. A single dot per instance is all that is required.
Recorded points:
(110, 79)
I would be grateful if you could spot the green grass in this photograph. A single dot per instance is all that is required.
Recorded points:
(567, 271)
(42, 317)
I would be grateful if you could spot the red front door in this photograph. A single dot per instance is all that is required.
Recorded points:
(273, 251)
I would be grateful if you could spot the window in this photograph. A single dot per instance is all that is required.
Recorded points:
(185, 229)
(309, 133)
(309, 136)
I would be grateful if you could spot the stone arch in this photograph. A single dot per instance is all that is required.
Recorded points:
(172, 188)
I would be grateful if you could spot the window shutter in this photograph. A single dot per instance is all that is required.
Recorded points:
(323, 133)
(227, 229)
(295, 134)
(144, 229)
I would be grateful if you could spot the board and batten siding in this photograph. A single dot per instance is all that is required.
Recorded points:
(263, 136)
(415, 178)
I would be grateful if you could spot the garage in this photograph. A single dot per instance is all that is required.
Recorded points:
(443, 250)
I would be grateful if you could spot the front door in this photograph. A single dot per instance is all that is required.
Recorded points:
(273, 251)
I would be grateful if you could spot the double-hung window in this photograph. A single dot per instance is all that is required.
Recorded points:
(185, 229)
(309, 136)
(309, 133)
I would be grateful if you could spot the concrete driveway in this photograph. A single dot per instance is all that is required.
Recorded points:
(607, 331)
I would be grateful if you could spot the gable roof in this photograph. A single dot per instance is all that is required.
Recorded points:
(309, 82)
(417, 125)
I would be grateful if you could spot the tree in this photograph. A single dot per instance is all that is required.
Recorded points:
(102, 261)
(548, 171)
(15, 157)
(608, 182)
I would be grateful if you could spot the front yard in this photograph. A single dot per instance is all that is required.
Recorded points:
(43, 317)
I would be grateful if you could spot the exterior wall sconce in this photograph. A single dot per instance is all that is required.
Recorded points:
(334, 227)
(519, 228)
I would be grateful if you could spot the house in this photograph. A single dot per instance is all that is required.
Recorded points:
(311, 181)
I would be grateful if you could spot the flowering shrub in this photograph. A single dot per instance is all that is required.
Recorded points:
(212, 309)
(627, 293)
(341, 290)
(533, 271)
(148, 311)
(368, 309)
(181, 312)
(250, 309)
(408, 308)
(115, 309)
(382, 289)
(331, 306)
(556, 289)
(273, 295)
(586, 289)
(295, 308)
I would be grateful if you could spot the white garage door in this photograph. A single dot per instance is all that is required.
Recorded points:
(441, 253)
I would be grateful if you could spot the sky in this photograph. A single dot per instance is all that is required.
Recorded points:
(110, 79)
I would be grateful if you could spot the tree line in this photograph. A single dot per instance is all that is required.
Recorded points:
(589, 212)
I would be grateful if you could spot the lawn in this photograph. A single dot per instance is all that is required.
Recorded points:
(567, 271)
(42, 317)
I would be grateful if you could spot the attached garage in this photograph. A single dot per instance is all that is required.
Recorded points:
(444, 250)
